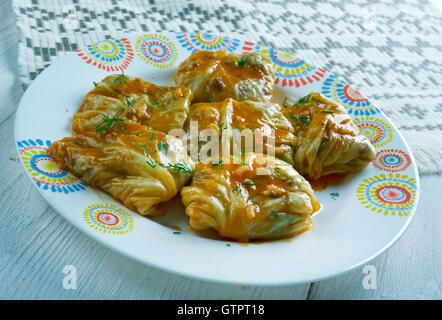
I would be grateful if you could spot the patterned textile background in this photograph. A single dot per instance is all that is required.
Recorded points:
(390, 50)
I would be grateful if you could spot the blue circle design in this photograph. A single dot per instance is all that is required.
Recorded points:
(193, 44)
(392, 160)
(34, 160)
(334, 88)
(31, 151)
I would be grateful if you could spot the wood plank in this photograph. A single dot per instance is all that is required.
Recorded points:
(411, 269)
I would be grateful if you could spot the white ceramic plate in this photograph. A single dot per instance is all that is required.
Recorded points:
(360, 218)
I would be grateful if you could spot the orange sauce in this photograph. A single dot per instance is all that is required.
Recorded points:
(175, 228)
(329, 180)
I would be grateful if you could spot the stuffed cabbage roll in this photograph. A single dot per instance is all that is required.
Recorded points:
(216, 75)
(248, 199)
(142, 168)
(328, 140)
(263, 127)
(157, 107)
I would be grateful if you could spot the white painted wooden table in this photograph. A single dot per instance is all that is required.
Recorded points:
(36, 243)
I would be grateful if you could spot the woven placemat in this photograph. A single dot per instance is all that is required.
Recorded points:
(389, 50)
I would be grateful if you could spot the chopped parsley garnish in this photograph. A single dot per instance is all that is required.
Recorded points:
(327, 111)
(143, 146)
(79, 143)
(95, 84)
(334, 195)
(219, 164)
(155, 102)
(176, 232)
(109, 123)
(303, 100)
(251, 128)
(120, 79)
(181, 166)
(305, 119)
(273, 171)
(274, 214)
(160, 145)
(228, 245)
(212, 100)
(284, 104)
(151, 138)
(250, 183)
(242, 62)
(128, 103)
(237, 189)
(151, 162)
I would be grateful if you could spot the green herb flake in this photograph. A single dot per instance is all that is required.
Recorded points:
(181, 166)
(95, 84)
(120, 79)
(303, 100)
(108, 123)
(242, 62)
(274, 214)
(176, 232)
(128, 103)
(237, 189)
(143, 147)
(219, 164)
(79, 143)
(151, 162)
(284, 104)
(251, 128)
(250, 183)
(160, 145)
(274, 172)
(327, 111)
(305, 119)
(155, 102)
(151, 138)
(228, 245)
(334, 195)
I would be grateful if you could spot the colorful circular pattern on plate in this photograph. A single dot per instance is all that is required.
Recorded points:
(108, 218)
(44, 171)
(391, 160)
(378, 131)
(206, 41)
(341, 92)
(388, 194)
(157, 50)
(289, 70)
(110, 55)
